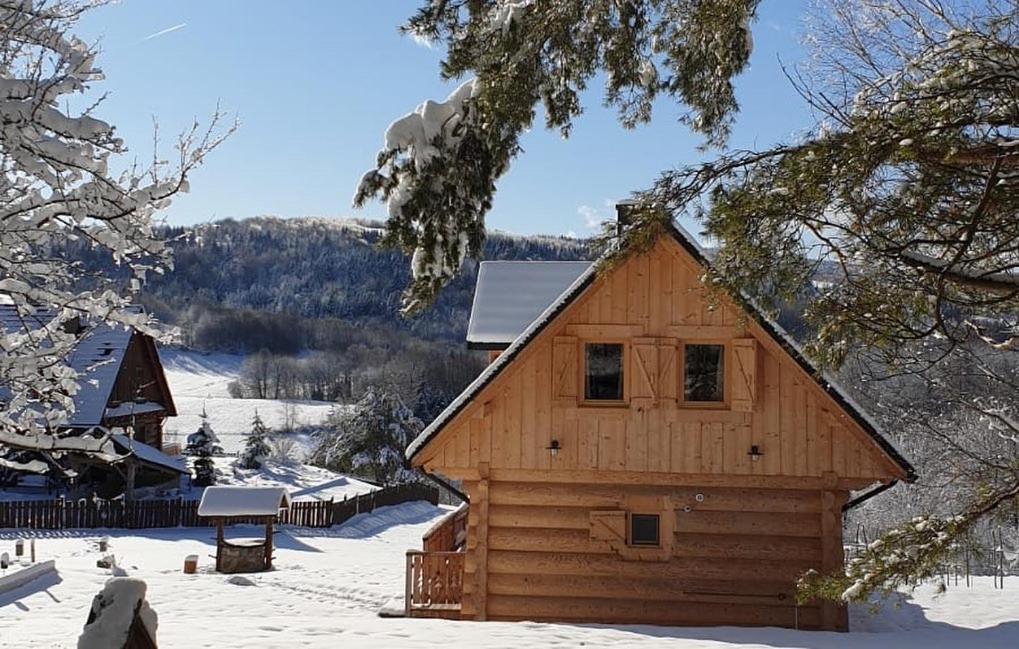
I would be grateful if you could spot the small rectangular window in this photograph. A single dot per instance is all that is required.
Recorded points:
(604, 372)
(704, 373)
(644, 529)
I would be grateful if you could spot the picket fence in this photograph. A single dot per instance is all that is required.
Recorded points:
(61, 514)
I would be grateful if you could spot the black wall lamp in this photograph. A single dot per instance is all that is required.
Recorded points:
(553, 448)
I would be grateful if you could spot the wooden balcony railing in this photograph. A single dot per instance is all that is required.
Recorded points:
(434, 583)
(448, 534)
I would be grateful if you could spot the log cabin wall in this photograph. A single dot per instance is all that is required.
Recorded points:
(540, 532)
(731, 555)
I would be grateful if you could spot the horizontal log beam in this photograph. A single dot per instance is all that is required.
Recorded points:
(561, 563)
(654, 590)
(623, 611)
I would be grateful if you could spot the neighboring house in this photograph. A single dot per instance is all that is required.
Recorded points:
(122, 388)
(635, 454)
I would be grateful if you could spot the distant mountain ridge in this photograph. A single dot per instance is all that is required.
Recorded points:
(317, 268)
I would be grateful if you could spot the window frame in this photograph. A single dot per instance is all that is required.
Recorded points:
(726, 375)
(629, 530)
(624, 366)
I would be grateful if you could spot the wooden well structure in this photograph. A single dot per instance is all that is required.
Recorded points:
(258, 505)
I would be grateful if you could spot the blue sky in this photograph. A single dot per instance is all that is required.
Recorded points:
(315, 84)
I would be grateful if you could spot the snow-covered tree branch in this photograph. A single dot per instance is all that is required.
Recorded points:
(439, 165)
(57, 181)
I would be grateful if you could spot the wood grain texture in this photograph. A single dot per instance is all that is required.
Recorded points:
(771, 403)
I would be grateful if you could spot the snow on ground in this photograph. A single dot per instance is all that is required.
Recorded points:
(302, 481)
(200, 381)
(328, 584)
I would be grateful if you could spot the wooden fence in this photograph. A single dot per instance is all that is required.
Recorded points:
(434, 583)
(74, 514)
(449, 534)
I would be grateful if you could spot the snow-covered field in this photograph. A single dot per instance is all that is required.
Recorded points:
(328, 584)
(200, 381)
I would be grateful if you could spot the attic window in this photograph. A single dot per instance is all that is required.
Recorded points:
(704, 373)
(644, 530)
(603, 376)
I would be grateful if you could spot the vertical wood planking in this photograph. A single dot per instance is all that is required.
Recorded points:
(543, 403)
(799, 427)
(771, 419)
(636, 441)
(529, 436)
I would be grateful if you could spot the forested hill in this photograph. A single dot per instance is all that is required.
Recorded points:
(310, 269)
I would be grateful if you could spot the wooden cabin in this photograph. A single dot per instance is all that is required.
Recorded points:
(640, 453)
(122, 388)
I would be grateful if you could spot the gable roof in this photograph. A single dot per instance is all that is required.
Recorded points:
(97, 357)
(243, 501)
(510, 295)
(577, 288)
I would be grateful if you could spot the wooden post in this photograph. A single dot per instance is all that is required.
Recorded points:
(219, 544)
(409, 591)
(481, 550)
(129, 479)
(834, 616)
(268, 543)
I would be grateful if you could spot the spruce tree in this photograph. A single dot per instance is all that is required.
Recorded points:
(256, 448)
(370, 439)
(203, 446)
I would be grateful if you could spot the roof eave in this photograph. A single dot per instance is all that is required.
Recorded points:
(487, 346)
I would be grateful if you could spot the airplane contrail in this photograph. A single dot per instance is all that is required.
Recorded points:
(163, 32)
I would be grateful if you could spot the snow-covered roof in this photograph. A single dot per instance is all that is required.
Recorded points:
(510, 295)
(145, 453)
(97, 357)
(129, 408)
(575, 289)
(243, 501)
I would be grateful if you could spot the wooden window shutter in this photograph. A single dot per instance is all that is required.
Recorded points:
(609, 526)
(668, 370)
(744, 380)
(644, 382)
(564, 368)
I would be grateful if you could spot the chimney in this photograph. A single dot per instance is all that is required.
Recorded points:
(74, 326)
(624, 214)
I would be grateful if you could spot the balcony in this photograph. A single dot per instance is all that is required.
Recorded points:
(435, 574)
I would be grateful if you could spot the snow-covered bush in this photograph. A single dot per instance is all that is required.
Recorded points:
(370, 439)
(256, 448)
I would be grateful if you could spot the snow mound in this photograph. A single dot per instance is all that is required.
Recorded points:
(113, 609)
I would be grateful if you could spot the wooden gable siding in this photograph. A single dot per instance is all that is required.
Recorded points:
(655, 302)
(141, 377)
(138, 377)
